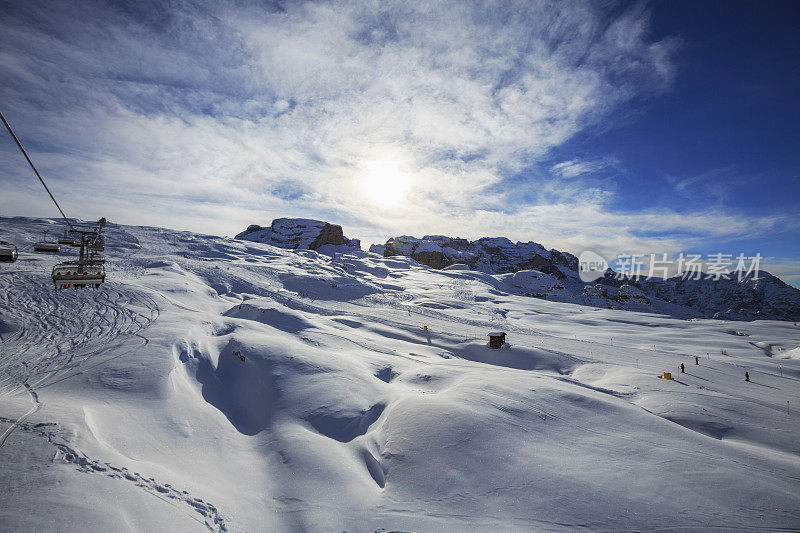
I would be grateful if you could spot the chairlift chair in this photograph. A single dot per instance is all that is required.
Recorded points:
(78, 275)
(98, 244)
(45, 246)
(8, 252)
(66, 239)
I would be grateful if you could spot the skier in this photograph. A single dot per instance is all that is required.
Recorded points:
(696, 360)
(747, 376)
(682, 369)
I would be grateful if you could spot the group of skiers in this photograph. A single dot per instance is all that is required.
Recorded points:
(697, 362)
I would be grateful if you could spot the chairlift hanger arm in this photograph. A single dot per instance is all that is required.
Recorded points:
(8, 127)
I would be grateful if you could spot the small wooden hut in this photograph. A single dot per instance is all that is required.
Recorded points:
(497, 339)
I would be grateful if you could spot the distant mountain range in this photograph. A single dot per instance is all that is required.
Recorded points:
(767, 297)
(529, 269)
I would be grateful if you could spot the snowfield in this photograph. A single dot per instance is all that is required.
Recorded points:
(223, 385)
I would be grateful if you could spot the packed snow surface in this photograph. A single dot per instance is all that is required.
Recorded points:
(235, 386)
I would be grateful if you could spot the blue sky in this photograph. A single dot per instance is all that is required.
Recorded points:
(616, 127)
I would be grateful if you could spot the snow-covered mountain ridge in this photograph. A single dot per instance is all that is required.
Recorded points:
(496, 255)
(230, 385)
(733, 298)
(557, 279)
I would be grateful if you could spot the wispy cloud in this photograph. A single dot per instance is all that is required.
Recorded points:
(574, 168)
(717, 184)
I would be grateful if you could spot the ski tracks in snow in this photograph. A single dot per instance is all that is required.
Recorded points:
(36, 406)
(65, 453)
(59, 332)
(56, 334)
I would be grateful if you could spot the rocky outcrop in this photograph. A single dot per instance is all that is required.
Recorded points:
(299, 234)
(492, 255)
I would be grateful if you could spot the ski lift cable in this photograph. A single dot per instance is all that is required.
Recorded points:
(8, 127)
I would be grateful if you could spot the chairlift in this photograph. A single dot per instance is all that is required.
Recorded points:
(66, 239)
(45, 246)
(8, 252)
(89, 270)
(78, 275)
(98, 244)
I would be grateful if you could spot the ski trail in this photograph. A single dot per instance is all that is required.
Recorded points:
(17, 423)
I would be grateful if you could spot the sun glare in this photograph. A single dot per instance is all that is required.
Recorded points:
(384, 183)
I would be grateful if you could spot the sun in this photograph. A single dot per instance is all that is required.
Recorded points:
(384, 183)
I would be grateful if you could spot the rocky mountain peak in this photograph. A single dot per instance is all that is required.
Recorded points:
(299, 234)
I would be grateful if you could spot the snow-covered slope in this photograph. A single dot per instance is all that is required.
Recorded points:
(553, 275)
(232, 385)
(299, 234)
